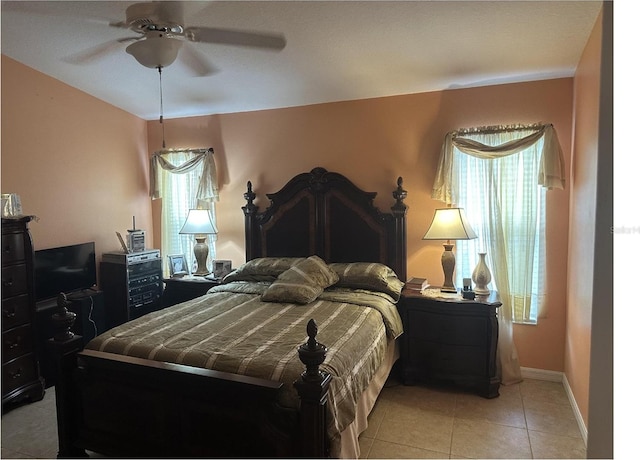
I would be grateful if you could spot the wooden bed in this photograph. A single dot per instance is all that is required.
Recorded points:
(126, 406)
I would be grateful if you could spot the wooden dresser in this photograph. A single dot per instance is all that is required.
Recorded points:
(20, 369)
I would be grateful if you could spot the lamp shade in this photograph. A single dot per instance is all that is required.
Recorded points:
(155, 52)
(449, 224)
(198, 223)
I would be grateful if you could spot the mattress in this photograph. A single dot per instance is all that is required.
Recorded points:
(232, 329)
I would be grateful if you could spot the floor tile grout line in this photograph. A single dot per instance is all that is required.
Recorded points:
(453, 423)
(384, 414)
(526, 422)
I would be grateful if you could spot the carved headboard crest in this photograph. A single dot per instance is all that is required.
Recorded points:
(325, 214)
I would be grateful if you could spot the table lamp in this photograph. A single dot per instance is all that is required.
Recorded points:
(449, 224)
(199, 223)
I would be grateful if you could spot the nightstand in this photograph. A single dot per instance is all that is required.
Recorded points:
(447, 338)
(185, 288)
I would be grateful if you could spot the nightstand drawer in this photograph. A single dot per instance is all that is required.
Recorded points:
(471, 331)
(438, 358)
(460, 361)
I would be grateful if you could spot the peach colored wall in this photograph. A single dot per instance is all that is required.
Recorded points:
(79, 164)
(373, 142)
(582, 220)
(88, 169)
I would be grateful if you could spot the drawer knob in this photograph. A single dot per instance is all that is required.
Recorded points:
(6, 249)
(12, 345)
(8, 282)
(16, 374)
(9, 314)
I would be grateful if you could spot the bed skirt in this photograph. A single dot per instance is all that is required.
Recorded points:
(349, 445)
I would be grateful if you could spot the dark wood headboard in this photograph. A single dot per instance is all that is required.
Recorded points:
(325, 214)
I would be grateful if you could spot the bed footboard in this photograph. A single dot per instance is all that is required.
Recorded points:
(131, 407)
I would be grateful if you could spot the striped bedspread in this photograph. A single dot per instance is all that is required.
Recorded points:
(232, 330)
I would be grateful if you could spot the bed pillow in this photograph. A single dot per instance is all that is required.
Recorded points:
(262, 269)
(368, 275)
(302, 283)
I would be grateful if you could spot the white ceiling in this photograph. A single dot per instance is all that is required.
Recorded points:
(339, 50)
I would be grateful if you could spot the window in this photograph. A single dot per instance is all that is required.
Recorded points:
(498, 175)
(503, 201)
(184, 180)
(506, 213)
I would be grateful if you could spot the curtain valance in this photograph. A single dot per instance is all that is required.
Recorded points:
(208, 187)
(551, 168)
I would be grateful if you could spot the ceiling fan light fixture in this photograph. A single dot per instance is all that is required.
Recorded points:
(154, 52)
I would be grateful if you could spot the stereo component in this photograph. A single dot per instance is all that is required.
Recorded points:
(135, 240)
(132, 284)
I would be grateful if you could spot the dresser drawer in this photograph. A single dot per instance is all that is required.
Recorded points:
(14, 280)
(12, 248)
(19, 372)
(16, 342)
(15, 311)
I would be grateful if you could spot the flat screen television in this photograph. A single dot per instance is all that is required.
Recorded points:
(64, 269)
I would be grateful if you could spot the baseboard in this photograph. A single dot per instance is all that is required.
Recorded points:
(541, 374)
(555, 376)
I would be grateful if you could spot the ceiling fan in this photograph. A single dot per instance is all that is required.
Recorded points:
(161, 34)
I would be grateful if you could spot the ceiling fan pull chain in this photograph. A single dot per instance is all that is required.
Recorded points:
(161, 106)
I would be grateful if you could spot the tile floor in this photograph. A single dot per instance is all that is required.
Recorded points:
(530, 420)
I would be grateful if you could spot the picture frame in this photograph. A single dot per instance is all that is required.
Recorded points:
(178, 265)
(221, 268)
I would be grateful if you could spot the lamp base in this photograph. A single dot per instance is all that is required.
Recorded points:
(201, 252)
(448, 265)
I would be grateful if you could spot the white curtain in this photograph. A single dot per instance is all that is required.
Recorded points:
(184, 179)
(207, 188)
(551, 167)
(495, 174)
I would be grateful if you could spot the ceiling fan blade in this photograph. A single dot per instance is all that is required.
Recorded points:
(98, 51)
(195, 61)
(119, 24)
(235, 37)
(82, 11)
(93, 53)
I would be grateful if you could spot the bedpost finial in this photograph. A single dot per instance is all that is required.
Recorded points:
(249, 195)
(400, 193)
(312, 354)
(63, 319)
(312, 332)
(313, 388)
